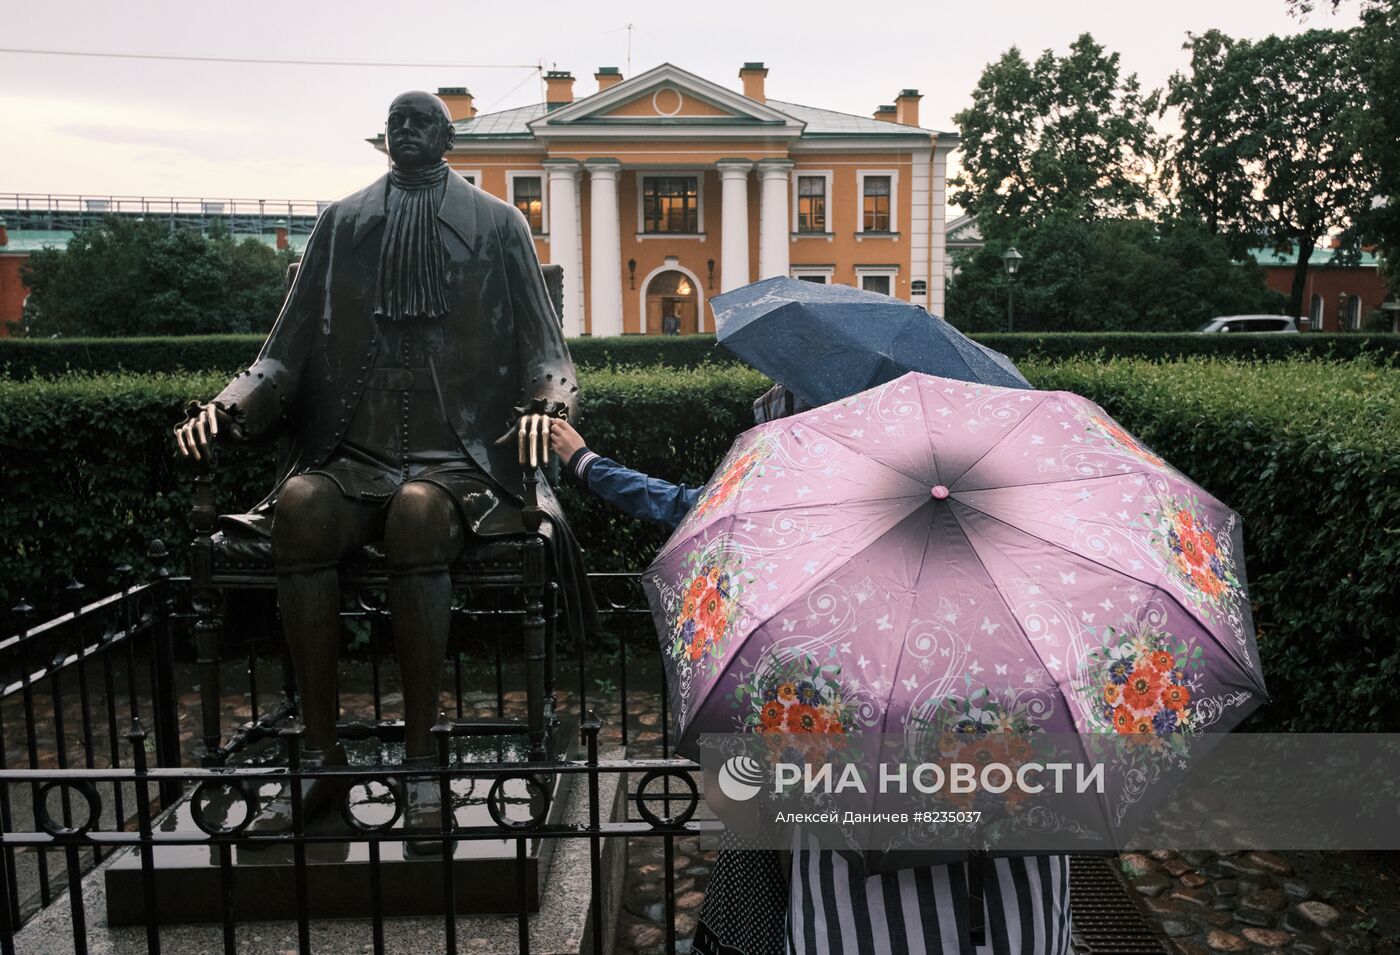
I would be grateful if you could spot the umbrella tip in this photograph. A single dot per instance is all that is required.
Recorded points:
(939, 492)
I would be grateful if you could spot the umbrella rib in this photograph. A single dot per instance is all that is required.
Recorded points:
(1004, 438)
(1055, 483)
(1170, 594)
(932, 445)
(913, 600)
(1059, 688)
(865, 455)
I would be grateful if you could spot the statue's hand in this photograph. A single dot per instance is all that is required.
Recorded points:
(532, 432)
(196, 434)
(533, 440)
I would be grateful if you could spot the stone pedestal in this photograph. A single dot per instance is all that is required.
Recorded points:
(189, 887)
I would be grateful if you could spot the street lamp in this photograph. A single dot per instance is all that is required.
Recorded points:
(1012, 260)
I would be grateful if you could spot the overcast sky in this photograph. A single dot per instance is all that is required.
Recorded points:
(138, 127)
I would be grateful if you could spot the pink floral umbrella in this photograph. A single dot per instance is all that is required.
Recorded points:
(932, 557)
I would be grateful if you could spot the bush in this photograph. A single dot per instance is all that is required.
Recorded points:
(27, 358)
(1306, 452)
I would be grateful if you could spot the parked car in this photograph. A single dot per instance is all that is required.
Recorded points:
(1249, 323)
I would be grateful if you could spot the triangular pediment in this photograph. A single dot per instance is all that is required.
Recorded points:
(668, 96)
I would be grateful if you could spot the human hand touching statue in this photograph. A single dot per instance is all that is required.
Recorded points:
(197, 433)
(565, 440)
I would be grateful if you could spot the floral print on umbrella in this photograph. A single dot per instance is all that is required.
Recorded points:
(708, 606)
(796, 695)
(1107, 430)
(1139, 684)
(737, 472)
(1194, 553)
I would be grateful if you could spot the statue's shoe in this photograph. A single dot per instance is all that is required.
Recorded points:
(319, 796)
(422, 810)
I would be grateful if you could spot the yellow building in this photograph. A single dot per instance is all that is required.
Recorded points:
(658, 191)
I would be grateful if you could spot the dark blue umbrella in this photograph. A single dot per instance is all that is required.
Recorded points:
(827, 342)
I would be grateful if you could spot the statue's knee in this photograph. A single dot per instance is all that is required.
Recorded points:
(422, 528)
(306, 521)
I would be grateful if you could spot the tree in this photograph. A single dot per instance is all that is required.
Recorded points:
(133, 277)
(1060, 135)
(1269, 150)
(1376, 54)
(1111, 275)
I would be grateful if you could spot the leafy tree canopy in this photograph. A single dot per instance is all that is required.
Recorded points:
(1376, 52)
(1109, 275)
(133, 277)
(1269, 149)
(1064, 134)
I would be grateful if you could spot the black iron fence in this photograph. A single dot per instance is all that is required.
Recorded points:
(102, 763)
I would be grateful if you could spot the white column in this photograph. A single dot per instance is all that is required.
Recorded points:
(774, 227)
(734, 217)
(604, 248)
(938, 232)
(564, 246)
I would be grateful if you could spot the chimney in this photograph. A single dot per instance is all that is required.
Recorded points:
(885, 114)
(906, 107)
(4, 234)
(458, 100)
(752, 74)
(559, 88)
(607, 77)
(280, 230)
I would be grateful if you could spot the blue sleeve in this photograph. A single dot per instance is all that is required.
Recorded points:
(640, 496)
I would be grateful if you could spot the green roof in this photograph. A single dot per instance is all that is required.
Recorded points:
(1271, 257)
(827, 122)
(507, 124)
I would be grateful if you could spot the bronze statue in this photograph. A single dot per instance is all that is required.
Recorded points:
(418, 328)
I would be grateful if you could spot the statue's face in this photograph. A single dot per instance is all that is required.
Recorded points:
(419, 130)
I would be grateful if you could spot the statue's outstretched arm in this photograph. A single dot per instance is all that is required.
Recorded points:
(545, 368)
(253, 403)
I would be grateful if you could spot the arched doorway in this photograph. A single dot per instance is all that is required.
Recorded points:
(671, 300)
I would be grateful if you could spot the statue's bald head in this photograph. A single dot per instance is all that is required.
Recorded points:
(419, 130)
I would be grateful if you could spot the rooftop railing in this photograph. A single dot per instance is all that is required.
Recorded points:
(68, 212)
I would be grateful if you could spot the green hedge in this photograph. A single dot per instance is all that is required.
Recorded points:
(25, 358)
(1307, 452)
(30, 357)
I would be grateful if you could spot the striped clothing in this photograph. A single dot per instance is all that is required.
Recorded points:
(834, 910)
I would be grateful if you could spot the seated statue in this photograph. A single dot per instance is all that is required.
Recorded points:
(418, 330)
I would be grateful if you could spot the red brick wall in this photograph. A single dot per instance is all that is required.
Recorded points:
(1329, 283)
(12, 291)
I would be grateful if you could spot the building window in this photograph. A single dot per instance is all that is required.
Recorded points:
(820, 274)
(670, 204)
(811, 204)
(1353, 316)
(876, 278)
(472, 176)
(1315, 313)
(527, 195)
(875, 204)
